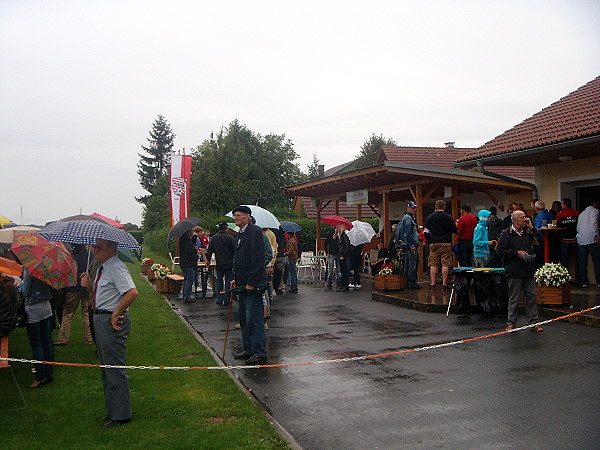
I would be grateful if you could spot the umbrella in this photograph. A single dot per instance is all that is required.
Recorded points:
(264, 218)
(49, 262)
(337, 220)
(290, 227)
(4, 220)
(86, 232)
(361, 233)
(182, 227)
(114, 223)
(7, 234)
(84, 217)
(10, 267)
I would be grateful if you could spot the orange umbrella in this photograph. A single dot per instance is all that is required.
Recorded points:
(10, 267)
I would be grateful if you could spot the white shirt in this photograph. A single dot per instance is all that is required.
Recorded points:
(114, 282)
(587, 226)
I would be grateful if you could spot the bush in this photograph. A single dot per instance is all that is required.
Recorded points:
(138, 236)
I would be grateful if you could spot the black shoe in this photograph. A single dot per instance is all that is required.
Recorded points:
(293, 291)
(106, 418)
(242, 355)
(115, 423)
(279, 292)
(255, 360)
(329, 285)
(189, 301)
(346, 289)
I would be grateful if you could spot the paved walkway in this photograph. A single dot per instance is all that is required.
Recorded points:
(519, 390)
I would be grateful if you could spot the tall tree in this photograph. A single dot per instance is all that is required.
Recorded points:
(153, 165)
(370, 150)
(239, 166)
(313, 168)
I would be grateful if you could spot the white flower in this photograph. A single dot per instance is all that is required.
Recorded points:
(552, 275)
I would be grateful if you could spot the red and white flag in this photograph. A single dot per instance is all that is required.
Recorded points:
(181, 170)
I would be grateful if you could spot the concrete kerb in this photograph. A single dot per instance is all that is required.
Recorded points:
(285, 435)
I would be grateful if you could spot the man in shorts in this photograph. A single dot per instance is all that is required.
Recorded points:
(440, 226)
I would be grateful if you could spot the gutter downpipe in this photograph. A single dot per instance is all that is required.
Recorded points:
(509, 179)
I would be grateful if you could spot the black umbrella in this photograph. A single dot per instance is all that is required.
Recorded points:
(290, 227)
(182, 227)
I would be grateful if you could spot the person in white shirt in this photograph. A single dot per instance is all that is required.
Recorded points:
(588, 239)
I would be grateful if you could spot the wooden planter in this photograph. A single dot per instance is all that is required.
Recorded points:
(554, 295)
(145, 268)
(162, 286)
(390, 282)
(151, 276)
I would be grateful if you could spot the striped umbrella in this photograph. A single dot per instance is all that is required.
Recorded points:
(86, 232)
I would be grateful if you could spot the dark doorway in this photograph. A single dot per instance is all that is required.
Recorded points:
(586, 195)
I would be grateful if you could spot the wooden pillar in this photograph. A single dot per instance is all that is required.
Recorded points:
(337, 207)
(420, 221)
(358, 212)
(318, 226)
(386, 217)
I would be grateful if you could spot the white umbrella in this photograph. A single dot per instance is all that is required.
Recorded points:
(361, 233)
(264, 218)
(7, 234)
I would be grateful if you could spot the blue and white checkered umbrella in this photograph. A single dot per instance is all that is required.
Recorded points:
(86, 232)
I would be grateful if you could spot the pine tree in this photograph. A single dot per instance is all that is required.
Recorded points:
(370, 151)
(154, 165)
(313, 168)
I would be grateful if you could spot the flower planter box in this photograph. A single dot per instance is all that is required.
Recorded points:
(162, 286)
(145, 268)
(151, 276)
(390, 282)
(554, 295)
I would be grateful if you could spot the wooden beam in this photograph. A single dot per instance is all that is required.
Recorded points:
(337, 206)
(386, 218)
(374, 210)
(319, 209)
(413, 194)
(455, 214)
(429, 192)
(358, 212)
(497, 202)
(323, 206)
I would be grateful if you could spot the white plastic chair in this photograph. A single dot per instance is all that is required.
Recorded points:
(174, 260)
(366, 262)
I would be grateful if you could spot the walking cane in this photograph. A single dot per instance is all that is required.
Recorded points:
(231, 297)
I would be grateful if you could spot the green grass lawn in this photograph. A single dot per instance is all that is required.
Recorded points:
(171, 409)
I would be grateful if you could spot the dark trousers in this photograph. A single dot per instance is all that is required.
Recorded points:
(42, 349)
(592, 250)
(252, 322)
(345, 270)
(568, 248)
(465, 253)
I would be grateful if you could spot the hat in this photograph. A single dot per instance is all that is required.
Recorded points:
(242, 209)
(411, 205)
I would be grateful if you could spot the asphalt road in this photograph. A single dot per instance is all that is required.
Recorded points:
(522, 389)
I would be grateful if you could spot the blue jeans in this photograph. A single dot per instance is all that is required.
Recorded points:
(333, 261)
(251, 315)
(292, 274)
(592, 250)
(410, 262)
(220, 275)
(42, 349)
(189, 280)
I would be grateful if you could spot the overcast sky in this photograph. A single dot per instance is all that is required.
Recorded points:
(81, 82)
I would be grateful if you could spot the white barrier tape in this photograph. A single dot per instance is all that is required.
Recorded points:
(326, 361)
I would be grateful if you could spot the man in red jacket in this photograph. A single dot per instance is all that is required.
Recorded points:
(466, 226)
(567, 218)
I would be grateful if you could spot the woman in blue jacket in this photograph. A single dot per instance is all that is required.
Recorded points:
(481, 242)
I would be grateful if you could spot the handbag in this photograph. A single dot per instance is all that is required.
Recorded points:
(21, 317)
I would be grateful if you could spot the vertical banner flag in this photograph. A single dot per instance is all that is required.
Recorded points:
(181, 170)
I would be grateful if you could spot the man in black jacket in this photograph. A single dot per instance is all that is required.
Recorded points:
(516, 245)
(249, 271)
(441, 227)
(222, 245)
(188, 261)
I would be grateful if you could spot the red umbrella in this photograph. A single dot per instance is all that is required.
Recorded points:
(47, 261)
(114, 223)
(337, 220)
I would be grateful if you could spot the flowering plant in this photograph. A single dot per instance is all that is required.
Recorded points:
(162, 272)
(393, 267)
(147, 261)
(386, 271)
(156, 266)
(552, 275)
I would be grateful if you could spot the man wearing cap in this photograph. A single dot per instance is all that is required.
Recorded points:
(249, 271)
(222, 245)
(112, 293)
(407, 239)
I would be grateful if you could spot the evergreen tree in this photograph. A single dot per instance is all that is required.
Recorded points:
(370, 151)
(154, 164)
(313, 168)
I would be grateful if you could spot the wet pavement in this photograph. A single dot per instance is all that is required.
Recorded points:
(523, 389)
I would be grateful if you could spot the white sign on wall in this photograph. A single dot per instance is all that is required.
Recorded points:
(360, 197)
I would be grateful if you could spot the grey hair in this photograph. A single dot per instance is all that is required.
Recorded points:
(512, 216)
(540, 205)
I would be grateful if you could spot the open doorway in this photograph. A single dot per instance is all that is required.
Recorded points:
(586, 195)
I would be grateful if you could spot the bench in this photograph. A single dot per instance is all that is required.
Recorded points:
(4, 353)
(177, 280)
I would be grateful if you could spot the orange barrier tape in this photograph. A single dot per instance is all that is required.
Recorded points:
(307, 363)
